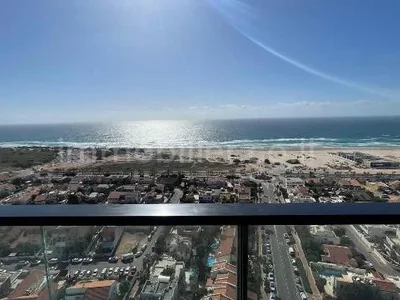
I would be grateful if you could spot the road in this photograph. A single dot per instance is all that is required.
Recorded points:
(284, 273)
(365, 249)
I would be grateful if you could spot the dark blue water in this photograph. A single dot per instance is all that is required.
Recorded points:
(255, 133)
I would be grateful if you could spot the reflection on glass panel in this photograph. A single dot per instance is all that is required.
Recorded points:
(325, 262)
(118, 262)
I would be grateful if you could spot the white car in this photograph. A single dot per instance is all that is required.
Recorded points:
(293, 262)
(303, 296)
(272, 296)
(271, 277)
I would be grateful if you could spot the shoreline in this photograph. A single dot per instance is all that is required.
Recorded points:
(235, 148)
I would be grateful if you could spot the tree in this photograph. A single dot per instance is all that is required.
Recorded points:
(346, 241)
(123, 289)
(17, 181)
(320, 282)
(236, 161)
(267, 161)
(339, 231)
(160, 246)
(360, 291)
(168, 272)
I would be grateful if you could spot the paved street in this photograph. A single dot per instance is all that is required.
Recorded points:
(365, 249)
(284, 273)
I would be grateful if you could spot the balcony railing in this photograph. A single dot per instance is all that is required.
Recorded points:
(241, 215)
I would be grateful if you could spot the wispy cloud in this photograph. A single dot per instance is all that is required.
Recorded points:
(232, 12)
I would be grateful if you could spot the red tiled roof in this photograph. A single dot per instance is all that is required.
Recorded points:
(225, 248)
(223, 267)
(338, 255)
(228, 231)
(115, 195)
(40, 198)
(100, 293)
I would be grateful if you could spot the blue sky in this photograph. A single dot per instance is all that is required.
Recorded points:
(101, 60)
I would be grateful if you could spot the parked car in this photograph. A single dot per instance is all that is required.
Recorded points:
(113, 259)
(76, 260)
(293, 262)
(138, 254)
(297, 280)
(87, 260)
(116, 270)
(36, 262)
(133, 271)
(272, 296)
(271, 276)
(296, 271)
(95, 271)
(76, 273)
(303, 296)
(88, 273)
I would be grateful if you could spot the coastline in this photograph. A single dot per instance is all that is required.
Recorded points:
(308, 159)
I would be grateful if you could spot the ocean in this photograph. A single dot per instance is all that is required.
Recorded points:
(252, 133)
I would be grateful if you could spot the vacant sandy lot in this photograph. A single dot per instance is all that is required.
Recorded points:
(129, 241)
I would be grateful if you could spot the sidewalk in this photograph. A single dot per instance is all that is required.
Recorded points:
(316, 294)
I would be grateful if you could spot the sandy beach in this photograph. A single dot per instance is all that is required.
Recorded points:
(248, 159)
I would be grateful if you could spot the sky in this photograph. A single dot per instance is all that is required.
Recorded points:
(112, 60)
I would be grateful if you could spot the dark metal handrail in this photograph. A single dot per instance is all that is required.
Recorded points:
(200, 214)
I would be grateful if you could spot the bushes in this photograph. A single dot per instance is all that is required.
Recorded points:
(293, 161)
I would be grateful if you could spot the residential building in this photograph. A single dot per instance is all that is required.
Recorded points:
(92, 290)
(350, 184)
(243, 193)
(338, 255)
(226, 251)
(378, 230)
(33, 287)
(292, 182)
(161, 285)
(222, 283)
(324, 234)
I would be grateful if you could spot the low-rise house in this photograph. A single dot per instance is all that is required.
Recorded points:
(216, 182)
(124, 197)
(243, 193)
(324, 234)
(222, 285)
(92, 290)
(164, 280)
(206, 197)
(226, 251)
(292, 182)
(103, 188)
(338, 255)
(350, 184)
(33, 287)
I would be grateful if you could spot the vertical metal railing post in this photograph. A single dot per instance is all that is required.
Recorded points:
(242, 261)
(46, 265)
